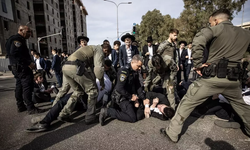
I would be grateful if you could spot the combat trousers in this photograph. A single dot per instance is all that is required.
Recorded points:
(85, 83)
(65, 89)
(198, 92)
(170, 89)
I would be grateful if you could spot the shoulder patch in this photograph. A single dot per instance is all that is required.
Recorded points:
(124, 72)
(17, 43)
(122, 77)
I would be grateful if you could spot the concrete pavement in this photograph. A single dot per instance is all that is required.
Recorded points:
(199, 134)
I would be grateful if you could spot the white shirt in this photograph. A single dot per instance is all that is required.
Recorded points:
(129, 54)
(38, 66)
(150, 50)
(189, 56)
(107, 89)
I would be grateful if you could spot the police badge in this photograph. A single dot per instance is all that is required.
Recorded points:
(17, 43)
(122, 77)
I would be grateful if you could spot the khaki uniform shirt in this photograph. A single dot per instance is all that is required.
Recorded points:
(93, 56)
(222, 40)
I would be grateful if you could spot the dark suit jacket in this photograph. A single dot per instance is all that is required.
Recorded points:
(145, 50)
(123, 54)
(182, 57)
(43, 63)
(56, 63)
(114, 57)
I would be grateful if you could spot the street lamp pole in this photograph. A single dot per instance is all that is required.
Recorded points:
(40, 38)
(117, 13)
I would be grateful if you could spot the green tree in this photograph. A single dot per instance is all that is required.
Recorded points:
(167, 25)
(196, 14)
(150, 25)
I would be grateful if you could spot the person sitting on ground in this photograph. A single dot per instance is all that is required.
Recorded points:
(40, 93)
(43, 123)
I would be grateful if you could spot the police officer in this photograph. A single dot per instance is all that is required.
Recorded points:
(125, 93)
(21, 66)
(223, 40)
(78, 71)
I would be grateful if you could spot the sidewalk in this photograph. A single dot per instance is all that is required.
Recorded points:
(7, 74)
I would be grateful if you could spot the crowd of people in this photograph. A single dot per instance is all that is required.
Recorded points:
(133, 84)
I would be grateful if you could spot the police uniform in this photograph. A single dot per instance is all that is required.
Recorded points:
(91, 56)
(127, 84)
(223, 40)
(20, 60)
(165, 74)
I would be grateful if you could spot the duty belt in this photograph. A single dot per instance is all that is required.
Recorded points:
(71, 63)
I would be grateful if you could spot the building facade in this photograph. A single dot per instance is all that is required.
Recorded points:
(45, 18)
(14, 13)
(74, 25)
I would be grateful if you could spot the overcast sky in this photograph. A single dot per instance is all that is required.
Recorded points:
(101, 18)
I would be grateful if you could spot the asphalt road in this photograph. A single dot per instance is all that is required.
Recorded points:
(199, 134)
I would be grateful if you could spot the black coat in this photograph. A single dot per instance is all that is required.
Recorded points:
(182, 57)
(56, 63)
(144, 51)
(123, 55)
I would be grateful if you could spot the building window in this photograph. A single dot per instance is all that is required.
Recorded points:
(47, 7)
(17, 1)
(4, 8)
(57, 15)
(18, 14)
(33, 46)
(6, 25)
(30, 19)
(52, 1)
(58, 23)
(52, 11)
(55, 40)
(56, 5)
(28, 5)
(53, 21)
(54, 30)
(49, 28)
(48, 17)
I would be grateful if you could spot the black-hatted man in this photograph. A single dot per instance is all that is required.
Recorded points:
(83, 41)
(127, 51)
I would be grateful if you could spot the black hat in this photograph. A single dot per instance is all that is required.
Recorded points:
(127, 36)
(184, 42)
(82, 37)
(149, 39)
